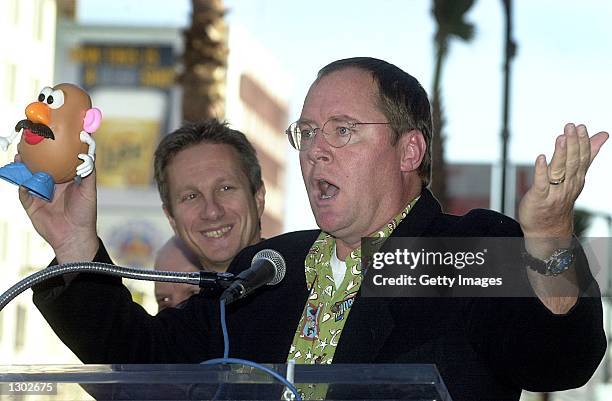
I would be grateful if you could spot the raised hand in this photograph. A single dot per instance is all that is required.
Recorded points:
(546, 210)
(68, 223)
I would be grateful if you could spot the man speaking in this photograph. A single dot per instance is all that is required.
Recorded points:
(364, 142)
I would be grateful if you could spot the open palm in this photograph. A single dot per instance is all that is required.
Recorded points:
(547, 208)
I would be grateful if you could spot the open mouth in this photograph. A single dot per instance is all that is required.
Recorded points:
(33, 132)
(327, 190)
(217, 233)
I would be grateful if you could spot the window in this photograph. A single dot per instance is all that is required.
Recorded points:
(12, 12)
(36, 87)
(11, 82)
(38, 19)
(3, 244)
(20, 328)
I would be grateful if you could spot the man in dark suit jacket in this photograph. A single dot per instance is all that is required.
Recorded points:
(364, 140)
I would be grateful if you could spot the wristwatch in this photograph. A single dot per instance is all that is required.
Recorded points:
(557, 263)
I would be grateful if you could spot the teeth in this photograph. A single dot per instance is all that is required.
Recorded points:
(217, 233)
(327, 190)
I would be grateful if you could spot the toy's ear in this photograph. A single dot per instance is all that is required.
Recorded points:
(92, 120)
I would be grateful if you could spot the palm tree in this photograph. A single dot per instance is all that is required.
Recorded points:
(204, 61)
(449, 16)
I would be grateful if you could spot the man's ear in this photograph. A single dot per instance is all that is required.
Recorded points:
(260, 199)
(170, 218)
(412, 148)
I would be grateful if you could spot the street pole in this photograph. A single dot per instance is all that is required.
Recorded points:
(510, 50)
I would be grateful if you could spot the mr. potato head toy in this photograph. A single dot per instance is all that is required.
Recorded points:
(56, 145)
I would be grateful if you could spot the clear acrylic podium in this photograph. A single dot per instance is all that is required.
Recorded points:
(412, 382)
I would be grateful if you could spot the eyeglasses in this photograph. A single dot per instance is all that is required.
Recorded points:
(336, 131)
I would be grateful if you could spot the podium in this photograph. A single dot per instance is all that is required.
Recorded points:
(411, 382)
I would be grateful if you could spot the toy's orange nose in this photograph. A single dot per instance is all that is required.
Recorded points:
(39, 113)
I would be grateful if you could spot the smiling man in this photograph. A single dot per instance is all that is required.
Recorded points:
(364, 142)
(209, 180)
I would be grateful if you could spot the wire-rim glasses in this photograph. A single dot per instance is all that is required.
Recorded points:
(337, 132)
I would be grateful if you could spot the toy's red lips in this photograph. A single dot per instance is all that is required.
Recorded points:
(31, 138)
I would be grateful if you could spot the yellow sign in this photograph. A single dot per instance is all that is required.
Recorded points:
(124, 151)
(128, 65)
(116, 55)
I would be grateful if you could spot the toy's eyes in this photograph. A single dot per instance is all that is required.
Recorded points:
(46, 91)
(56, 99)
(53, 98)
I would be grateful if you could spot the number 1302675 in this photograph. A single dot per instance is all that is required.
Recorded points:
(28, 388)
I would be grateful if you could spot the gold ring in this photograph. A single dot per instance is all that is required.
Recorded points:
(557, 181)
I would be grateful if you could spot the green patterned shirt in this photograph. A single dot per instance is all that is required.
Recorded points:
(329, 304)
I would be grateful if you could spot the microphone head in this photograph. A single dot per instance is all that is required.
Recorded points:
(277, 261)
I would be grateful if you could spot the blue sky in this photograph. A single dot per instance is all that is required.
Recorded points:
(561, 72)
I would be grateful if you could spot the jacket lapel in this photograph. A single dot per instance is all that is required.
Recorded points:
(370, 322)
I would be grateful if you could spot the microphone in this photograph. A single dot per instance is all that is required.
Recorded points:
(268, 267)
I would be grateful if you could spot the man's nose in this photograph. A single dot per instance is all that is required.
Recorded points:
(212, 209)
(38, 113)
(320, 151)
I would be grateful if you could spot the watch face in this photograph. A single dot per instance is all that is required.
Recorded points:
(559, 261)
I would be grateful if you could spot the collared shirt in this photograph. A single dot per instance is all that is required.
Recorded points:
(329, 303)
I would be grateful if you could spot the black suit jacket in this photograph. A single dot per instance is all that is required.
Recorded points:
(485, 349)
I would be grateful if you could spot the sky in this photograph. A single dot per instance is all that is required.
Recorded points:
(560, 73)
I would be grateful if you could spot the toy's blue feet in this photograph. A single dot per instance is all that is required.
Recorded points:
(16, 173)
(41, 185)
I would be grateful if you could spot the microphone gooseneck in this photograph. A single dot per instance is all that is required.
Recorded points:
(201, 278)
(267, 267)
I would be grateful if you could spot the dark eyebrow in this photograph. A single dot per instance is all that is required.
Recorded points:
(305, 121)
(186, 188)
(338, 116)
(344, 117)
